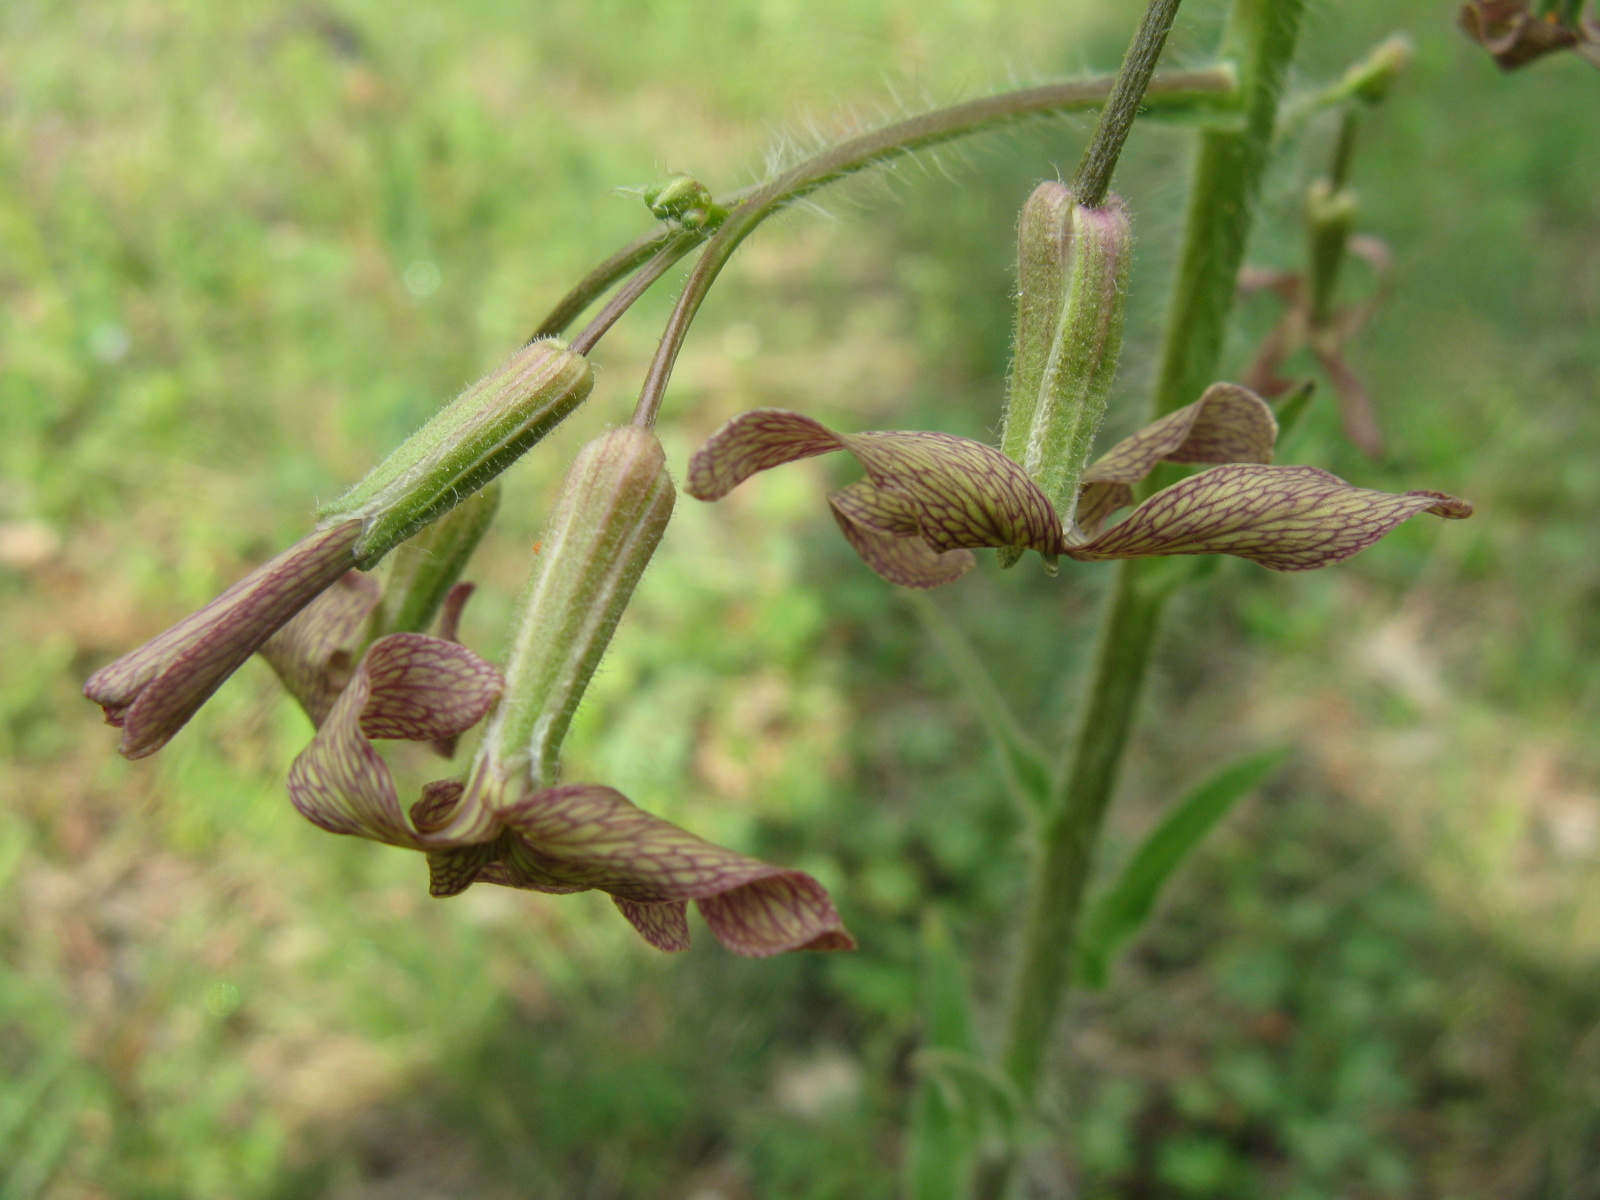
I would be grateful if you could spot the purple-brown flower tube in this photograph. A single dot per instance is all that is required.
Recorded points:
(152, 692)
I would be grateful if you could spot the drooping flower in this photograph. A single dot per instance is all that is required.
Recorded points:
(152, 691)
(509, 822)
(1514, 35)
(930, 498)
(1311, 321)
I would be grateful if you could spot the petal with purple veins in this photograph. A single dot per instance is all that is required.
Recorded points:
(962, 493)
(407, 686)
(752, 442)
(1286, 518)
(311, 654)
(579, 836)
(901, 558)
(1227, 424)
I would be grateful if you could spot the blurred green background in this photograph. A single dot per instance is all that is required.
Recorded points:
(246, 246)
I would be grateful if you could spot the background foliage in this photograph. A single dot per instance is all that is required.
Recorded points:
(245, 246)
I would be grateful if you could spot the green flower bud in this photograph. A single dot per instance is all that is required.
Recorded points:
(467, 443)
(608, 519)
(684, 199)
(1072, 269)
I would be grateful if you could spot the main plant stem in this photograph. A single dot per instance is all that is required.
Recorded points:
(1260, 37)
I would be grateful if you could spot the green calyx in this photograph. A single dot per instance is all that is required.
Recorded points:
(466, 444)
(1072, 275)
(607, 522)
(425, 568)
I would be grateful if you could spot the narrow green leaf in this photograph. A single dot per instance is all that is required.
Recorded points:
(1119, 913)
(1026, 774)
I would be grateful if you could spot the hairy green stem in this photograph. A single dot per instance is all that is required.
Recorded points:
(1261, 36)
(1099, 163)
(1227, 179)
(1177, 90)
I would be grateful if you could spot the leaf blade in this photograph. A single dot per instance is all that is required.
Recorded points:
(1121, 910)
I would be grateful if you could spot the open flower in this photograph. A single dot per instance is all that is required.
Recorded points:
(509, 822)
(930, 498)
(567, 838)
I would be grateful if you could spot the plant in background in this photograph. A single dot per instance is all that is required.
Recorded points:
(356, 657)
(1516, 32)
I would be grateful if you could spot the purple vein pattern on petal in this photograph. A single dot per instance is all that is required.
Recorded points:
(153, 691)
(1227, 424)
(962, 493)
(754, 441)
(407, 686)
(665, 926)
(901, 558)
(311, 654)
(1286, 518)
(579, 836)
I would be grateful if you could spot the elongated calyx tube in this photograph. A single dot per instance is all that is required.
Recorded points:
(427, 566)
(1072, 277)
(467, 443)
(607, 522)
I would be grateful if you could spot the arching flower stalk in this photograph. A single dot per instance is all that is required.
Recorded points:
(929, 499)
(509, 821)
(150, 693)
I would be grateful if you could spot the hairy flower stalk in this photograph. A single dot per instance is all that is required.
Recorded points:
(1072, 279)
(152, 692)
(510, 822)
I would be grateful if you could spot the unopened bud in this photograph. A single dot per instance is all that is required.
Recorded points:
(1370, 79)
(1072, 268)
(427, 566)
(684, 199)
(467, 443)
(608, 519)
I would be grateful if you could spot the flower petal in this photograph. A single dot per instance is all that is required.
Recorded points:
(1227, 424)
(862, 512)
(407, 686)
(754, 441)
(579, 836)
(425, 688)
(1286, 518)
(664, 926)
(449, 624)
(962, 493)
(311, 654)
